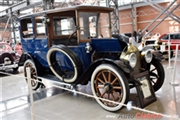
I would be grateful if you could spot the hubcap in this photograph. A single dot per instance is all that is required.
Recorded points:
(108, 88)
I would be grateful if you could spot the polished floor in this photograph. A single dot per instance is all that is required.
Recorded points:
(53, 103)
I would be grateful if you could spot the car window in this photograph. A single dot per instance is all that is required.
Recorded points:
(93, 24)
(165, 37)
(63, 26)
(173, 36)
(27, 28)
(178, 36)
(40, 28)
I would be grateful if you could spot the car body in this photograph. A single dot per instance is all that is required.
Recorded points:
(75, 45)
(8, 58)
(173, 38)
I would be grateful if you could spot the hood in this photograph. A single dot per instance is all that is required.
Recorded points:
(107, 45)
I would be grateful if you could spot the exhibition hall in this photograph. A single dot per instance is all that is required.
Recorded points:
(89, 59)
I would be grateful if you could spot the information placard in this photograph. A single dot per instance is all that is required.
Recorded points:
(145, 90)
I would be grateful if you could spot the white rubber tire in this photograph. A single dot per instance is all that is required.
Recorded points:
(37, 84)
(72, 61)
(122, 79)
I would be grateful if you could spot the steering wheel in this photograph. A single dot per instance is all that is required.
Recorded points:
(72, 38)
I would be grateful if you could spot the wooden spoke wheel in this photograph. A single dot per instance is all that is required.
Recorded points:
(109, 83)
(29, 63)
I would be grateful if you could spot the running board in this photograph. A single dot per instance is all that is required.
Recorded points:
(53, 80)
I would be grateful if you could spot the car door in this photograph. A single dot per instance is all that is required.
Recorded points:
(27, 34)
(41, 40)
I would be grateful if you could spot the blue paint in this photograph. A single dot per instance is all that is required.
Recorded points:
(106, 45)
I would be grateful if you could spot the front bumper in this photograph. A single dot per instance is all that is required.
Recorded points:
(10, 66)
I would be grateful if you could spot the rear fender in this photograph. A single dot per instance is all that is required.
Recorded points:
(40, 69)
(86, 75)
(23, 58)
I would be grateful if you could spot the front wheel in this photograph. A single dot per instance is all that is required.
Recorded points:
(34, 83)
(157, 74)
(109, 82)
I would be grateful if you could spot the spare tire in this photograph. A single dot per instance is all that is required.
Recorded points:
(56, 65)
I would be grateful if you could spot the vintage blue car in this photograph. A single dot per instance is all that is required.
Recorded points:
(75, 45)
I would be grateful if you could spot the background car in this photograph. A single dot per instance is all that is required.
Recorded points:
(173, 37)
(8, 58)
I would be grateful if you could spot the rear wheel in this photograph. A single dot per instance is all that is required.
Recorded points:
(34, 82)
(109, 82)
(157, 75)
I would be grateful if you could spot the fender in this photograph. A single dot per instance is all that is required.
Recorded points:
(40, 69)
(23, 58)
(86, 75)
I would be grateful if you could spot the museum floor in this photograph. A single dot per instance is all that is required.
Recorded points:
(53, 103)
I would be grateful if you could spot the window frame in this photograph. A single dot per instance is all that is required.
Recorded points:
(35, 28)
(21, 28)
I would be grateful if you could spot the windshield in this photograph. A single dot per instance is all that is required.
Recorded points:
(94, 25)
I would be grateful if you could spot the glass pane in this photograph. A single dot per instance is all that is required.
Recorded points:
(178, 36)
(104, 25)
(93, 25)
(27, 28)
(40, 28)
(165, 37)
(63, 26)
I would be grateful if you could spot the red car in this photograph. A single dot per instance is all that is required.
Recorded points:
(8, 58)
(174, 39)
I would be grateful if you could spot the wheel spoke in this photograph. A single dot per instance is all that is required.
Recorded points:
(34, 76)
(117, 95)
(100, 86)
(114, 80)
(34, 72)
(104, 77)
(117, 87)
(153, 74)
(153, 70)
(112, 96)
(153, 81)
(100, 81)
(108, 96)
(103, 94)
(109, 77)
